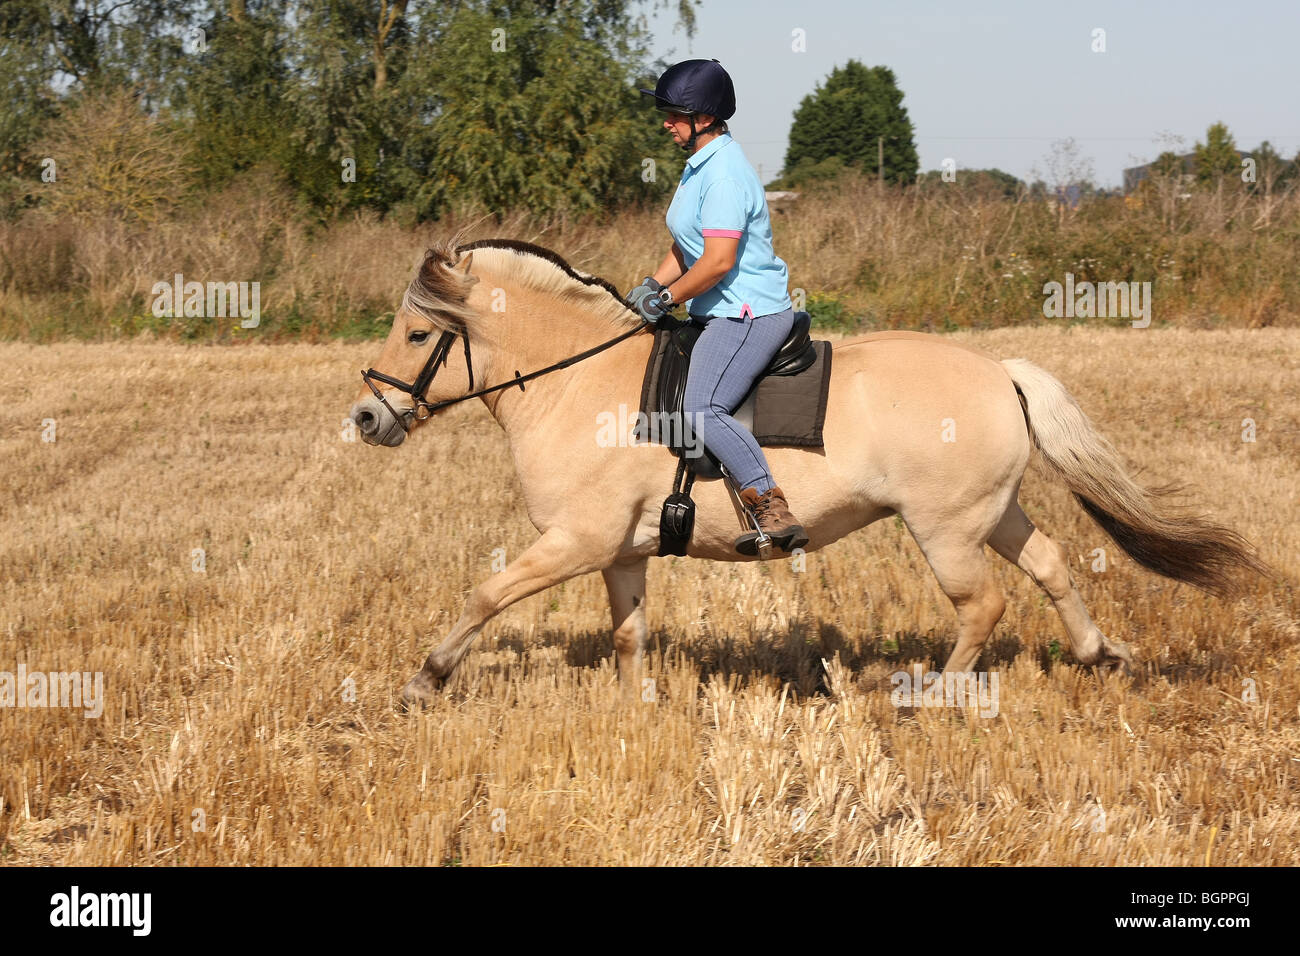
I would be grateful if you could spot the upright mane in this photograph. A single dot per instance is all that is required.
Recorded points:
(439, 293)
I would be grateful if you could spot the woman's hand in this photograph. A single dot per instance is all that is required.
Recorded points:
(646, 300)
(652, 308)
(649, 286)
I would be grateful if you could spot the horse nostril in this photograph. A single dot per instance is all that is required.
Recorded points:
(367, 421)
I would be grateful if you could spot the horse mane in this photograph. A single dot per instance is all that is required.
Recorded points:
(440, 294)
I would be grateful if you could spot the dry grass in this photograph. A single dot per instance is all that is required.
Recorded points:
(934, 257)
(328, 561)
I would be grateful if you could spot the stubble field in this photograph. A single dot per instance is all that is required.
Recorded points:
(250, 688)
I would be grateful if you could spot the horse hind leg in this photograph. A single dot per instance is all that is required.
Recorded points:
(1047, 564)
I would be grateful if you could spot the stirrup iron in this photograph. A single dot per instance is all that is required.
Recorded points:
(763, 541)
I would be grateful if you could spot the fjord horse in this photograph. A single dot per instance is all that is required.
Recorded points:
(917, 425)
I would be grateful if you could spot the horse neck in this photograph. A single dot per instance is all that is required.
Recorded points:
(534, 331)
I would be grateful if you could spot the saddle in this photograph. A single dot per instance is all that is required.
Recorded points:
(785, 406)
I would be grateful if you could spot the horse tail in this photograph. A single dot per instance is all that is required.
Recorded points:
(1155, 532)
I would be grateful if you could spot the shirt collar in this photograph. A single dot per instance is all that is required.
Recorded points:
(715, 144)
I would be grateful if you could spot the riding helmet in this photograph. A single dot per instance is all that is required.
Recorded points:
(696, 86)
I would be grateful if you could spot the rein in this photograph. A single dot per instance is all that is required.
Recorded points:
(438, 357)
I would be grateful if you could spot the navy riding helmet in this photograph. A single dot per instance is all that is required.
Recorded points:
(696, 86)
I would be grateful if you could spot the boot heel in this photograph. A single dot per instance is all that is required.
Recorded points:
(795, 538)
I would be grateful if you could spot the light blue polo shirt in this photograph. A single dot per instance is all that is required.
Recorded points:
(720, 195)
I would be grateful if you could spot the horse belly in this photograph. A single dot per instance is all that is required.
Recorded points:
(911, 421)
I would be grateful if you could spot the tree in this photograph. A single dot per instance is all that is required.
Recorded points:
(544, 115)
(1217, 156)
(234, 91)
(1272, 172)
(349, 57)
(1067, 167)
(68, 46)
(1068, 176)
(26, 105)
(1273, 176)
(1168, 164)
(986, 183)
(360, 102)
(390, 15)
(856, 112)
(112, 159)
(97, 44)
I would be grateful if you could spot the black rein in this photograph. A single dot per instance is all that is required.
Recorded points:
(438, 357)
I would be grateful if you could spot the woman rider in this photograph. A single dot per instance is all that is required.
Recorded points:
(722, 264)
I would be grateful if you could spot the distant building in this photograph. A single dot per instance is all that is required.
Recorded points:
(1133, 177)
(779, 200)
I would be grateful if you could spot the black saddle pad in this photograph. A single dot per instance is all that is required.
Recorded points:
(779, 409)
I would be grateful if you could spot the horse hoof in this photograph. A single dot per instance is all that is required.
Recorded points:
(420, 691)
(1116, 658)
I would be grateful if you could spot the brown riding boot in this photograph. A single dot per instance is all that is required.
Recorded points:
(773, 514)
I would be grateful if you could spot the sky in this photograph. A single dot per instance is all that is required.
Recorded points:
(995, 83)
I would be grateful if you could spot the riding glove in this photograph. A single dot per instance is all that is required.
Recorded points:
(649, 285)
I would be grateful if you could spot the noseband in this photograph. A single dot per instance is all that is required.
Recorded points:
(422, 382)
(422, 408)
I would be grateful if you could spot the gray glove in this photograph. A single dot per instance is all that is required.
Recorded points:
(653, 308)
(647, 287)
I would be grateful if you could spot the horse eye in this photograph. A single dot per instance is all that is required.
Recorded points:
(417, 337)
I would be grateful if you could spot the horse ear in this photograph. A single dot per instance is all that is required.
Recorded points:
(463, 267)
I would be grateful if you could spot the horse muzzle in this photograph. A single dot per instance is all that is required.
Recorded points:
(377, 424)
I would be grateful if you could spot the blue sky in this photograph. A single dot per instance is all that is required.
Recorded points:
(994, 83)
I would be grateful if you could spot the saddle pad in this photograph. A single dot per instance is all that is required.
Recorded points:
(787, 409)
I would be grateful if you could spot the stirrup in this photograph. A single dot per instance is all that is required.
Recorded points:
(789, 544)
(756, 542)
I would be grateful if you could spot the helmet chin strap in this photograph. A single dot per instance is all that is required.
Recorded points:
(689, 145)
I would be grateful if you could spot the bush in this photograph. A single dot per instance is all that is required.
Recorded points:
(113, 161)
(932, 258)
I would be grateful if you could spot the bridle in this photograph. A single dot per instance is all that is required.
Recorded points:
(421, 384)
(423, 408)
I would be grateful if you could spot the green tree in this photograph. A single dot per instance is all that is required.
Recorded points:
(234, 90)
(1272, 172)
(544, 115)
(347, 102)
(1217, 156)
(1168, 164)
(410, 92)
(989, 183)
(26, 105)
(97, 44)
(856, 112)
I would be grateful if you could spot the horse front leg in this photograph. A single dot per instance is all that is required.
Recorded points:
(554, 557)
(625, 582)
